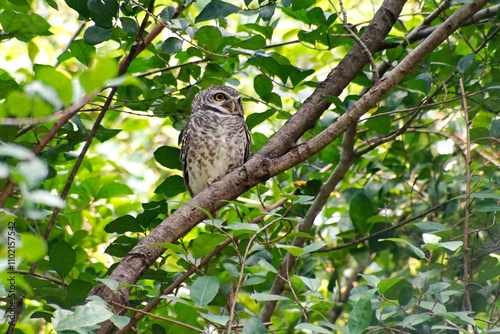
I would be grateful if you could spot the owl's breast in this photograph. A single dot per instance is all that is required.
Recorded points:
(213, 152)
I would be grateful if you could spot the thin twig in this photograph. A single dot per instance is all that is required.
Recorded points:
(175, 284)
(71, 40)
(76, 167)
(387, 229)
(366, 51)
(152, 315)
(467, 276)
(242, 277)
(45, 277)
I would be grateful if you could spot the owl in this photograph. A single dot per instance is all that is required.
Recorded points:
(215, 140)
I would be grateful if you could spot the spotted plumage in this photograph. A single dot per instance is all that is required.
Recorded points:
(216, 138)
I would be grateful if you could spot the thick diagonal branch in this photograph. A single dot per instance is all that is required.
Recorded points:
(137, 261)
(277, 156)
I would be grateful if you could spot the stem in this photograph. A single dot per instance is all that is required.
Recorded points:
(467, 265)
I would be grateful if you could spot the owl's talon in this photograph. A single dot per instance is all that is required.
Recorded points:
(212, 180)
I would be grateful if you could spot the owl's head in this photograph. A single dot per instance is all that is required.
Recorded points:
(219, 99)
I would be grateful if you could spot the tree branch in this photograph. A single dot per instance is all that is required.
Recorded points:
(369, 100)
(476, 18)
(336, 81)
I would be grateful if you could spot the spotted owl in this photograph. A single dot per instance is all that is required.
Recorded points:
(216, 139)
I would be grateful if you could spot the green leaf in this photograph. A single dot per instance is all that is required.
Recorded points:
(262, 85)
(414, 319)
(266, 31)
(77, 292)
(260, 296)
(121, 246)
(83, 52)
(430, 238)
(95, 35)
(34, 171)
(62, 258)
(313, 247)
(435, 307)
(203, 290)
(44, 197)
(465, 62)
(361, 314)
(216, 10)
(294, 250)
(380, 124)
(231, 269)
(495, 128)
(371, 279)
(110, 283)
(167, 14)
(104, 134)
(242, 226)
(119, 321)
(171, 45)
(173, 185)
(216, 319)
(254, 326)
(312, 328)
(487, 194)
(32, 247)
(360, 209)
(18, 104)
(267, 266)
(255, 119)
(16, 151)
(84, 319)
(312, 283)
(80, 6)
(24, 26)
(256, 42)
(8, 133)
(209, 38)
(95, 78)
(114, 189)
(266, 12)
(417, 252)
(451, 245)
(205, 243)
(179, 249)
(302, 4)
(255, 280)
(486, 208)
(316, 16)
(103, 12)
(430, 227)
(60, 82)
(129, 25)
(395, 288)
(297, 74)
(271, 66)
(123, 224)
(7, 84)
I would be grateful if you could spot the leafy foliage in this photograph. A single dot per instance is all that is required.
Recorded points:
(392, 229)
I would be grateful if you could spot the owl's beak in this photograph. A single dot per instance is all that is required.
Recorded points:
(233, 106)
(236, 106)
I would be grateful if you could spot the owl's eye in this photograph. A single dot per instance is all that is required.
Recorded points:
(219, 97)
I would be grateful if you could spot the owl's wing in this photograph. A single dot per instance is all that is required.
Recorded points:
(186, 134)
(248, 142)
